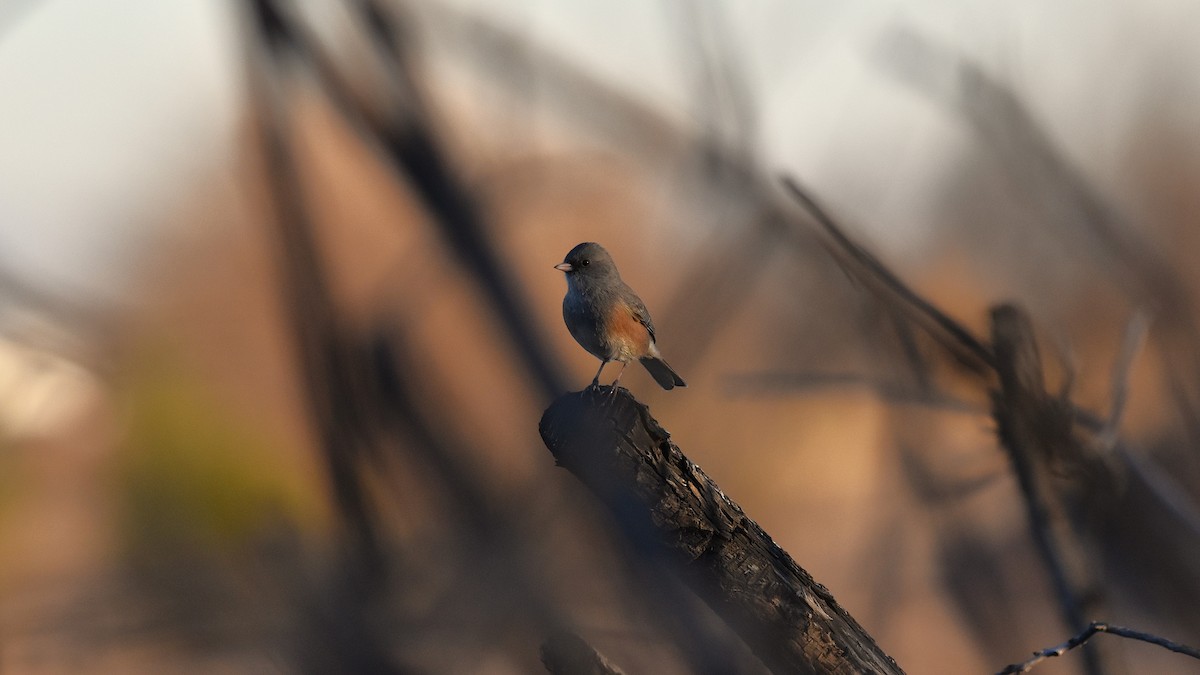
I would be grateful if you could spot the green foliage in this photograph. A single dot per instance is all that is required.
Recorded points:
(195, 475)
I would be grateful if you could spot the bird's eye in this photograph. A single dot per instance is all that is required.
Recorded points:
(586, 262)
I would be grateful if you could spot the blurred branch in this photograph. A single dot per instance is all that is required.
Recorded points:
(1035, 428)
(480, 514)
(15, 13)
(1047, 178)
(324, 358)
(603, 109)
(1092, 629)
(862, 266)
(409, 143)
(1158, 489)
(1029, 156)
(568, 654)
(64, 310)
(723, 102)
(327, 363)
(751, 220)
(55, 322)
(1135, 337)
(661, 499)
(355, 416)
(891, 392)
(1164, 488)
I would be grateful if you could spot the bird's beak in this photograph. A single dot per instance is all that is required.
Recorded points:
(564, 267)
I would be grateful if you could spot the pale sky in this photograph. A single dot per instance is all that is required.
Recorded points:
(109, 109)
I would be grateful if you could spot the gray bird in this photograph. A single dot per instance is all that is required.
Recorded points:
(607, 318)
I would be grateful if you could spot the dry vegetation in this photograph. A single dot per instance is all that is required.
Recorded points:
(315, 447)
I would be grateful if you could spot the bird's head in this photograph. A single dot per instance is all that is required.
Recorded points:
(588, 260)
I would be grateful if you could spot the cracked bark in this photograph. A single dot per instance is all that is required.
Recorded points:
(666, 506)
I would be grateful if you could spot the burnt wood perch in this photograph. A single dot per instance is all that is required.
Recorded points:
(665, 504)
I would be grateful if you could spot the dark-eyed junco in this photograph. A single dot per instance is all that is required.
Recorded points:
(607, 318)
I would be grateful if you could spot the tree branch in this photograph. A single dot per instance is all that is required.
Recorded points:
(1092, 629)
(664, 504)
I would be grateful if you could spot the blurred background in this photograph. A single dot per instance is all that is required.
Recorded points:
(278, 321)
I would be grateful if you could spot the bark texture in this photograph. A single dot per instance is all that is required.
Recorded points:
(664, 503)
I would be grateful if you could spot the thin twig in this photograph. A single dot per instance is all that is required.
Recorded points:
(1092, 629)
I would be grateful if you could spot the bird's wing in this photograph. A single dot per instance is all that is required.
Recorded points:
(641, 314)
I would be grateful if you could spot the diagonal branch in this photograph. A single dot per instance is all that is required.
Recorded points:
(865, 268)
(664, 503)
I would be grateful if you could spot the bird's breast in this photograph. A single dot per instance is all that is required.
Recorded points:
(584, 323)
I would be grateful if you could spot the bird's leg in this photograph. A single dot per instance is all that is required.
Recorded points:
(596, 379)
(619, 372)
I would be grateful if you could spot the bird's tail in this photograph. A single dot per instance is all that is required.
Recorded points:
(662, 373)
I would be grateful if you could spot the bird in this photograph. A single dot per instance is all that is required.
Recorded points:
(607, 318)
